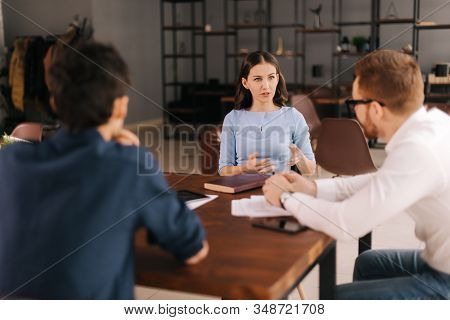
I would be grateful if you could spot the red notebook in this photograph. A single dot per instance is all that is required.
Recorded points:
(235, 184)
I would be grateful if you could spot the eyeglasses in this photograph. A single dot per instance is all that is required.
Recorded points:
(350, 103)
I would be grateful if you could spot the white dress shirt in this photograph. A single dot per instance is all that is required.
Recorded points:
(414, 178)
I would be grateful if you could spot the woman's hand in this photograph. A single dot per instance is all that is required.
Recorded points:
(299, 159)
(253, 165)
(296, 155)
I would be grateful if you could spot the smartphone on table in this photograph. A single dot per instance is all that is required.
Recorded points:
(282, 224)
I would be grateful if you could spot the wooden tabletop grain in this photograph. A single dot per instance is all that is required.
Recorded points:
(244, 262)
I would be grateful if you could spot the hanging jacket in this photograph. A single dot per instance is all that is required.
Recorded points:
(17, 73)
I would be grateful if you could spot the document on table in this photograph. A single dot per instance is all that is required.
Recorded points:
(256, 207)
(193, 204)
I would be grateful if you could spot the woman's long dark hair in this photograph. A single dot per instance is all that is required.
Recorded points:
(243, 97)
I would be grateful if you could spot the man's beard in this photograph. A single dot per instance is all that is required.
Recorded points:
(370, 130)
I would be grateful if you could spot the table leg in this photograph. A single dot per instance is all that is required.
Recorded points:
(327, 273)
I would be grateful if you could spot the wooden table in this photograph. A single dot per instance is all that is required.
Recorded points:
(244, 262)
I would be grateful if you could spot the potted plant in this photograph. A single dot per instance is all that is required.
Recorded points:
(345, 44)
(5, 140)
(360, 42)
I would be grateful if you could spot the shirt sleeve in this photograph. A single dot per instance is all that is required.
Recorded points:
(227, 143)
(300, 136)
(395, 187)
(169, 222)
(338, 189)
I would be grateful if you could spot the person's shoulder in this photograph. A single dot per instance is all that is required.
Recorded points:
(293, 114)
(136, 158)
(18, 149)
(123, 152)
(436, 116)
(293, 111)
(434, 124)
(232, 116)
(433, 129)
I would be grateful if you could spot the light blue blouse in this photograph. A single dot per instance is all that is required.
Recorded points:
(267, 133)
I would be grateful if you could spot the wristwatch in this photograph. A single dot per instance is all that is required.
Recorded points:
(283, 197)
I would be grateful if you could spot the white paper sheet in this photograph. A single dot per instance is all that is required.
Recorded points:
(256, 207)
(193, 204)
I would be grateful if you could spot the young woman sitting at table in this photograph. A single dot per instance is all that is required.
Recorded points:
(262, 134)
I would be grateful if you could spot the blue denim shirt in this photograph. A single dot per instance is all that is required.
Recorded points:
(267, 133)
(76, 200)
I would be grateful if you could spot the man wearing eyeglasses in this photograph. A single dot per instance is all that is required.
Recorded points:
(415, 178)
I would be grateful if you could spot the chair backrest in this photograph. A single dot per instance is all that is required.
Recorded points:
(442, 106)
(342, 148)
(305, 106)
(210, 149)
(29, 131)
(320, 92)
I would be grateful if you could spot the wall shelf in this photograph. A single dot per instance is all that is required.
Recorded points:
(258, 26)
(322, 30)
(181, 1)
(353, 23)
(394, 21)
(216, 33)
(181, 27)
(433, 27)
(176, 56)
(179, 83)
(349, 54)
(287, 55)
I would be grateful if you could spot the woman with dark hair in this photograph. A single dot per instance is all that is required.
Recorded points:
(262, 134)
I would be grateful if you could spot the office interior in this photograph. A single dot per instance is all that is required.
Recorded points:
(184, 57)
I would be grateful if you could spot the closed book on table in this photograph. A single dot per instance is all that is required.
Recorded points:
(235, 184)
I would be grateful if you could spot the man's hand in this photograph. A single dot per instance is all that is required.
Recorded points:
(297, 183)
(199, 256)
(126, 138)
(274, 187)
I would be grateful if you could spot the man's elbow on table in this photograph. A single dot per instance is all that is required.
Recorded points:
(199, 256)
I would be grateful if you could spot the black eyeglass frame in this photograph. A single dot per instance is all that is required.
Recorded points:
(351, 103)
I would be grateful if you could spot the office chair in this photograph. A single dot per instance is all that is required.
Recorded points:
(342, 150)
(210, 149)
(305, 106)
(29, 131)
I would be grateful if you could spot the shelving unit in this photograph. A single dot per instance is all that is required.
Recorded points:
(375, 23)
(416, 28)
(175, 58)
(265, 26)
(264, 31)
(339, 56)
(430, 97)
(331, 31)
